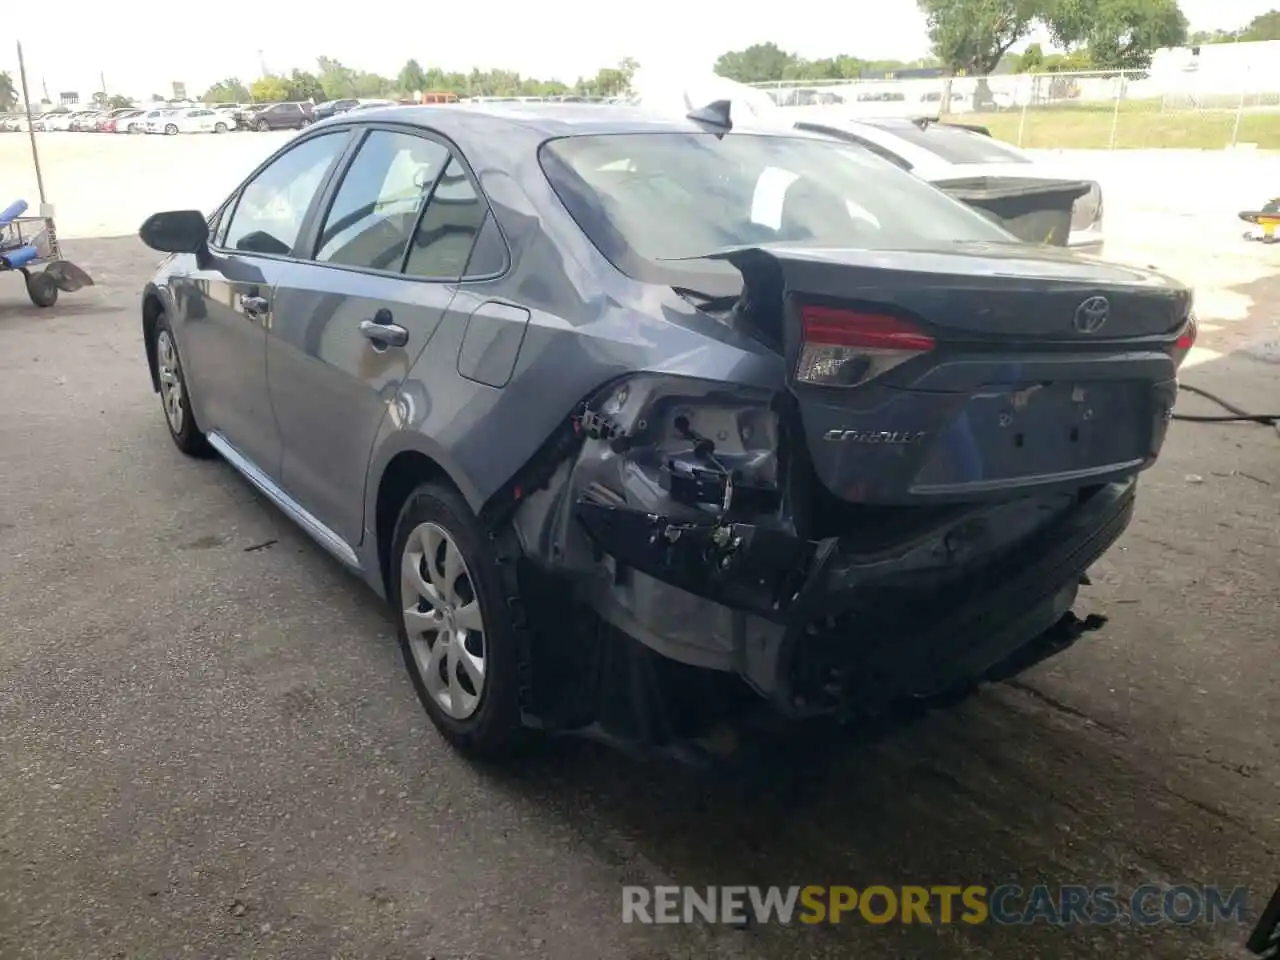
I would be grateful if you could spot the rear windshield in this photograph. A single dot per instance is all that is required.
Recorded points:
(648, 198)
(952, 144)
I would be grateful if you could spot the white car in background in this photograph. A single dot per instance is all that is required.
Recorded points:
(226, 116)
(194, 120)
(59, 122)
(139, 123)
(939, 152)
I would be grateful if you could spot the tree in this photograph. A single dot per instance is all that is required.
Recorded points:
(157, 98)
(758, 63)
(118, 102)
(8, 93)
(305, 86)
(269, 89)
(971, 36)
(230, 90)
(299, 85)
(610, 81)
(765, 63)
(1264, 27)
(1031, 60)
(411, 78)
(1119, 34)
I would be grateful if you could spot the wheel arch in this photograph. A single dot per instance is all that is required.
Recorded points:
(405, 462)
(152, 308)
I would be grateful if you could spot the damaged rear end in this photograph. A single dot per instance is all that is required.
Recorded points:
(957, 441)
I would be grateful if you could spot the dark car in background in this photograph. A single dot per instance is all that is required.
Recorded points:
(331, 108)
(636, 422)
(275, 116)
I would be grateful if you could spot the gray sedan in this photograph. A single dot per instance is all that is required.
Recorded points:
(645, 425)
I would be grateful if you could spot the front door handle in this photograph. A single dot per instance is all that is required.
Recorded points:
(254, 307)
(391, 334)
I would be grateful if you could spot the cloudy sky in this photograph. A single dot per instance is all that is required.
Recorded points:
(140, 46)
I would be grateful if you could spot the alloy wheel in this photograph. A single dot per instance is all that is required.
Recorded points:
(443, 620)
(170, 382)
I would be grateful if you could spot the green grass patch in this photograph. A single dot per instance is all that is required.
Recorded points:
(1080, 127)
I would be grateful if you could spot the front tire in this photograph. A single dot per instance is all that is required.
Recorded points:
(219, 128)
(174, 397)
(171, 131)
(456, 632)
(304, 123)
(262, 126)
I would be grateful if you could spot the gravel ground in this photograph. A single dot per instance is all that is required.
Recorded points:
(208, 745)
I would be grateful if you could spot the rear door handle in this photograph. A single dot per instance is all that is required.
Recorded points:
(254, 307)
(385, 333)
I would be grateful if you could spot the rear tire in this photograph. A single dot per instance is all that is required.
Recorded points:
(261, 126)
(219, 128)
(459, 626)
(171, 131)
(174, 398)
(42, 289)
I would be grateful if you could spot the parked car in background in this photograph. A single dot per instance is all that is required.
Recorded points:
(138, 122)
(105, 122)
(331, 108)
(942, 152)
(120, 124)
(59, 121)
(372, 104)
(282, 116)
(194, 120)
(683, 418)
(158, 120)
(247, 113)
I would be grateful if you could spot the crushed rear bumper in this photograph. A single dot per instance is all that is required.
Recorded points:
(818, 628)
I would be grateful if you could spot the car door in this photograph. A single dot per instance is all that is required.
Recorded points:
(350, 323)
(226, 305)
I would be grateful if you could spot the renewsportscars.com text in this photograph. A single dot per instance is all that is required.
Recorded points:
(1008, 904)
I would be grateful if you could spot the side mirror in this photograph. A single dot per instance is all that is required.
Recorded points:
(176, 231)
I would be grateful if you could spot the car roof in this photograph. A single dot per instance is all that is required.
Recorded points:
(544, 120)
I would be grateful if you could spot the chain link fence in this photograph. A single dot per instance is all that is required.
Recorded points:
(1088, 111)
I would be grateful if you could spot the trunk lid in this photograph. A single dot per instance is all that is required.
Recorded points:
(983, 370)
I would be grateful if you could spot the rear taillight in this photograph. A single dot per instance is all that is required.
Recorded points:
(845, 348)
(1186, 340)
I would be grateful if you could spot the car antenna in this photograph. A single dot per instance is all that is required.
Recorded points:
(714, 114)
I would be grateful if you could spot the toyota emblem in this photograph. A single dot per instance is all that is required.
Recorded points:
(1092, 315)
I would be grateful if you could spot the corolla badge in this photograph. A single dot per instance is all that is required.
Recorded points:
(1092, 315)
(874, 436)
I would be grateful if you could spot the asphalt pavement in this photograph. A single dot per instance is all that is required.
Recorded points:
(209, 746)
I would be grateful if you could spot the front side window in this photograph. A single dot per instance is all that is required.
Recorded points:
(375, 209)
(647, 199)
(443, 241)
(272, 206)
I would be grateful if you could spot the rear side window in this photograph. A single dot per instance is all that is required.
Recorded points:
(272, 206)
(953, 144)
(374, 211)
(443, 241)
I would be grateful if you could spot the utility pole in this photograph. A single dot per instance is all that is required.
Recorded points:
(45, 209)
(102, 79)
